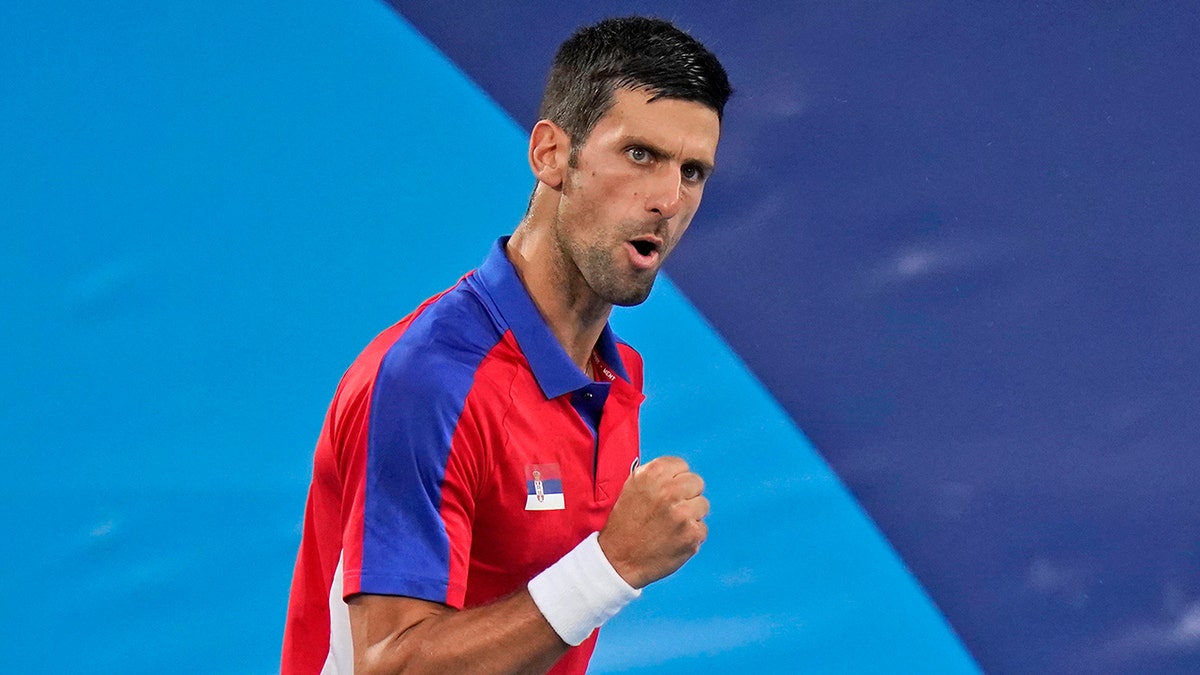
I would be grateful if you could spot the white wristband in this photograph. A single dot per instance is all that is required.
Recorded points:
(580, 592)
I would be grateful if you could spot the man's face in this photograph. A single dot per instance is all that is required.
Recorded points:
(631, 193)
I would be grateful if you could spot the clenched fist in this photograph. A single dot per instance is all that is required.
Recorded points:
(657, 523)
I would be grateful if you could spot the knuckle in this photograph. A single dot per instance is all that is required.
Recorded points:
(672, 463)
(649, 470)
(687, 485)
(679, 511)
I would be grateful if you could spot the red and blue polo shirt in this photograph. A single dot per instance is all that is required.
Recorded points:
(463, 453)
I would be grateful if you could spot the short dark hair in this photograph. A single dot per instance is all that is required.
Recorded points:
(631, 53)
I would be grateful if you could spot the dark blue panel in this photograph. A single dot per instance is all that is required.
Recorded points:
(956, 241)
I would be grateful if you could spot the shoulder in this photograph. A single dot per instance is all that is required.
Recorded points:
(441, 348)
(431, 351)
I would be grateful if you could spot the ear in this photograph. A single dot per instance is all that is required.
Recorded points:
(549, 149)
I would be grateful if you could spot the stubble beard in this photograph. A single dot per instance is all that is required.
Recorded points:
(599, 270)
(596, 267)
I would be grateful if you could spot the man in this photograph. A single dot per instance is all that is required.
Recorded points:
(476, 503)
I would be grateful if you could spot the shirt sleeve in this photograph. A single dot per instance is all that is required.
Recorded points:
(412, 490)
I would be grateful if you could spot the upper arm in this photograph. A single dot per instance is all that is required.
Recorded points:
(378, 621)
(408, 531)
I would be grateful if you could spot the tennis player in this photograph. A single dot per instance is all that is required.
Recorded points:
(477, 504)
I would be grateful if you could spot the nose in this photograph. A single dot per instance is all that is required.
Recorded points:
(667, 193)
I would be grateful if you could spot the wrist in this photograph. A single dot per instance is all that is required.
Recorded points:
(619, 564)
(581, 591)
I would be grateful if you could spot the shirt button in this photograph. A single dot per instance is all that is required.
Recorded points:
(587, 394)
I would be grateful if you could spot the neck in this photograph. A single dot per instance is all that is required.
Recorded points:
(572, 311)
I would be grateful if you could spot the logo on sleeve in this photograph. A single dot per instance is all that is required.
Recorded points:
(543, 486)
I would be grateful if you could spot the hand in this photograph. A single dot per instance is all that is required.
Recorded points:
(657, 523)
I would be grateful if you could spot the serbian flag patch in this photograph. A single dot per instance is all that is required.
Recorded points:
(544, 491)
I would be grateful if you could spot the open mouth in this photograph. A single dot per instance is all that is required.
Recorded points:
(645, 252)
(643, 247)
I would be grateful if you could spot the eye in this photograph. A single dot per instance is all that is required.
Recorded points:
(638, 154)
(692, 173)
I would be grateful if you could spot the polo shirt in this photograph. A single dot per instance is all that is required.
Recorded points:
(463, 453)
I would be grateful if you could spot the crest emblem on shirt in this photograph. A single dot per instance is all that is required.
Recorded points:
(543, 488)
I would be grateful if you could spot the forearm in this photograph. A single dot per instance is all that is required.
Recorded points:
(506, 636)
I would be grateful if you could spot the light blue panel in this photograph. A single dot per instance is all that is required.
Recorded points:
(207, 209)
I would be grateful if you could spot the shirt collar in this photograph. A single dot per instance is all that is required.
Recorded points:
(555, 372)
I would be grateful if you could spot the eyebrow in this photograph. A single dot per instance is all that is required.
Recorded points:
(660, 153)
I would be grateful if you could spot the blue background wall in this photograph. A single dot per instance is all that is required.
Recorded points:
(951, 243)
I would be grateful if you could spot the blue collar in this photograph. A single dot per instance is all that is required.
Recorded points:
(555, 372)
